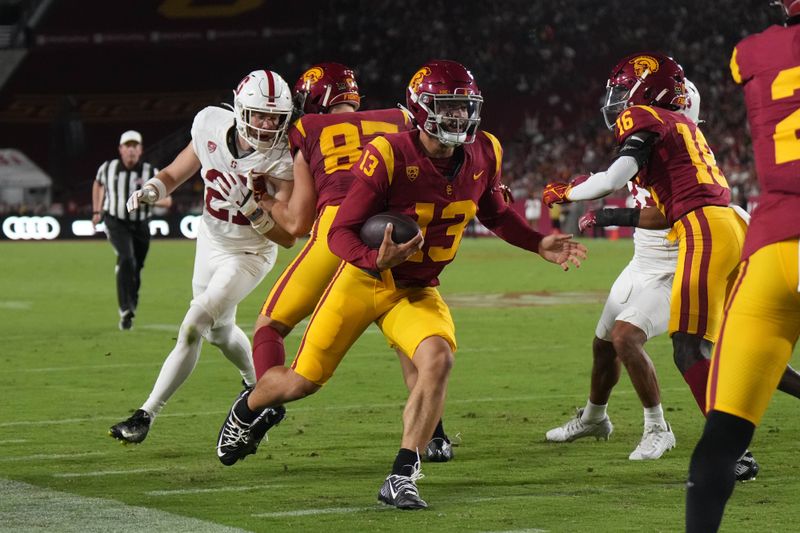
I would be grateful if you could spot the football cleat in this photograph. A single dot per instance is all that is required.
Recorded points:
(126, 321)
(401, 491)
(746, 467)
(575, 428)
(439, 450)
(656, 441)
(238, 439)
(132, 430)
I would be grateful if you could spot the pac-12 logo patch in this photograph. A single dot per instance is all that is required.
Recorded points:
(412, 172)
(212, 147)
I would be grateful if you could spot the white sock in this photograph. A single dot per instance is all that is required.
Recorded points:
(181, 360)
(236, 347)
(593, 413)
(654, 415)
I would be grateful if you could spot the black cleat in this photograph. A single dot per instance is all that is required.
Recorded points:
(126, 321)
(134, 429)
(439, 450)
(238, 439)
(401, 491)
(746, 467)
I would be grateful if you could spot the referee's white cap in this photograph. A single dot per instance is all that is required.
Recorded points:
(130, 136)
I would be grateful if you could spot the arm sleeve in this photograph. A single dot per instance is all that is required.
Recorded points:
(505, 222)
(366, 197)
(621, 171)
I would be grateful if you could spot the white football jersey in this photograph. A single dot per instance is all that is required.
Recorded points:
(225, 226)
(653, 252)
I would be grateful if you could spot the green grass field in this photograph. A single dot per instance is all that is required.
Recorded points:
(524, 329)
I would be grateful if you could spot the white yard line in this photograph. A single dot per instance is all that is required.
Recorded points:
(177, 492)
(49, 456)
(301, 409)
(25, 507)
(98, 473)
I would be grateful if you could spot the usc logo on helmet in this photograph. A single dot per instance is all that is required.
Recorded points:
(642, 64)
(416, 80)
(313, 75)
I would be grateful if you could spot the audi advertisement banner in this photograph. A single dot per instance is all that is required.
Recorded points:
(49, 228)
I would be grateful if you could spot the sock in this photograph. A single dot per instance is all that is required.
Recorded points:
(654, 415)
(268, 350)
(711, 470)
(404, 462)
(439, 433)
(243, 412)
(697, 379)
(593, 413)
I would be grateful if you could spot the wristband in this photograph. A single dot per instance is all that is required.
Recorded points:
(262, 222)
(623, 216)
(158, 185)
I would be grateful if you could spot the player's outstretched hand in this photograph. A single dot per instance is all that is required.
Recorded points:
(555, 193)
(562, 250)
(391, 254)
(587, 220)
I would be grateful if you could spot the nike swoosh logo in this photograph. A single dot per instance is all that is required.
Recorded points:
(477, 176)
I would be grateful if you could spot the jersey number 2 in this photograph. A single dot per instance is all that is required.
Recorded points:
(787, 145)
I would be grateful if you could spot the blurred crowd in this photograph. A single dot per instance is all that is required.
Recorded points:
(542, 67)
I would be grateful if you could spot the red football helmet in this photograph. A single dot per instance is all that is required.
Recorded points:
(790, 7)
(324, 85)
(445, 102)
(647, 78)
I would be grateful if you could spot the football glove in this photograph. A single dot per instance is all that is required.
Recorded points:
(555, 193)
(236, 193)
(587, 220)
(151, 192)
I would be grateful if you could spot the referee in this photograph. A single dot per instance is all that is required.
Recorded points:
(128, 233)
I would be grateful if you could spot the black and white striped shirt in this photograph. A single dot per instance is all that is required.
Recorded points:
(119, 183)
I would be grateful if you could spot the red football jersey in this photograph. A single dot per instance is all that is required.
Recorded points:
(768, 64)
(394, 174)
(681, 173)
(331, 144)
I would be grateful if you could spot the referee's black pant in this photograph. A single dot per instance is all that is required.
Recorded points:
(131, 241)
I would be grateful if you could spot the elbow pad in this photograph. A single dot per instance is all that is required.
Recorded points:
(638, 146)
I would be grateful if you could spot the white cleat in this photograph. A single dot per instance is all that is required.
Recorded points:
(656, 441)
(575, 428)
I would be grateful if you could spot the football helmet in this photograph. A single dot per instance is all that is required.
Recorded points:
(445, 102)
(262, 103)
(324, 85)
(647, 78)
(790, 7)
(692, 109)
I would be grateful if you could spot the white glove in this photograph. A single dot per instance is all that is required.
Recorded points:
(236, 193)
(151, 192)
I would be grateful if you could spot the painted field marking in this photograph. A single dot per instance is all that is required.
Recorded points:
(99, 473)
(47, 456)
(176, 492)
(26, 507)
(300, 409)
(13, 441)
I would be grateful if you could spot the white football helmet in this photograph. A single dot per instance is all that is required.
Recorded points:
(262, 104)
(692, 109)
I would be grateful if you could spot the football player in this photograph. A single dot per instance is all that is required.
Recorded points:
(236, 238)
(441, 173)
(328, 95)
(637, 309)
(762, 316)
(646, 93)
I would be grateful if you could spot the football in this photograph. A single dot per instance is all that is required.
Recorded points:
(405, 228)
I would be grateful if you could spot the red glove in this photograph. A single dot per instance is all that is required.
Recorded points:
(587, 220)
(555, 193)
